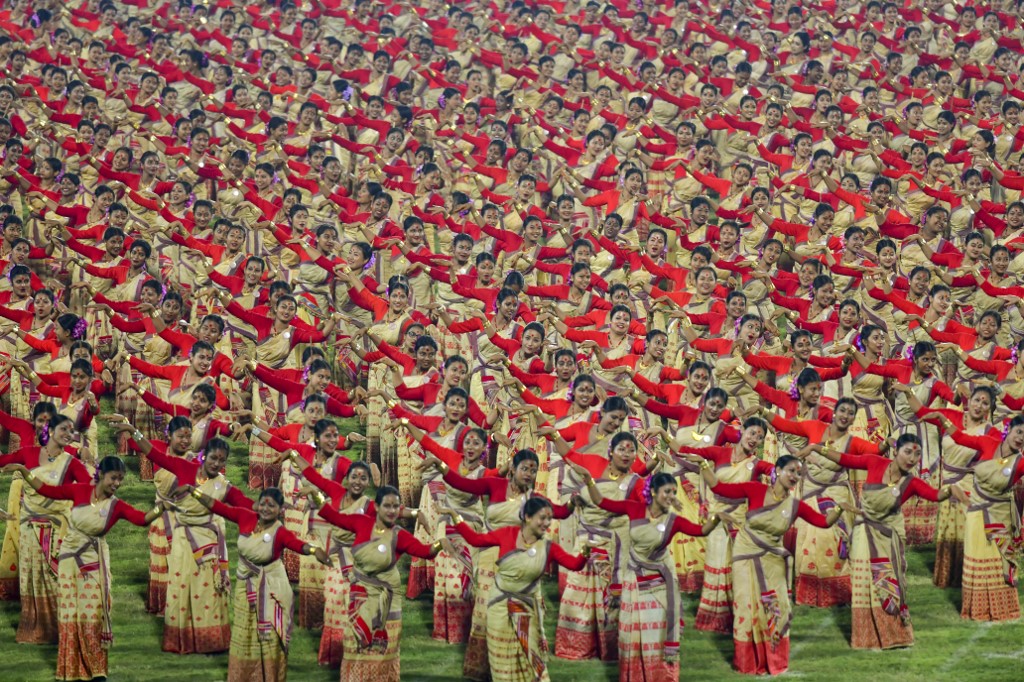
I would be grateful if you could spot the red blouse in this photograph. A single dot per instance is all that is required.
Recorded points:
(755, 493)
(638, 510)
(507, 540)
(362, 525)
(185, 471)
(876, 465)
(81, 494)
(246, 519)
(496, 490)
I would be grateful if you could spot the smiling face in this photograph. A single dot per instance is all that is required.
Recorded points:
(844, 415)
(941, 302)
(620, 322)
(327, 441)
(751, 439)
(268, 510)
(180, 440)
(539, 523)
(109, 483)
(455, 373)
(789, 476)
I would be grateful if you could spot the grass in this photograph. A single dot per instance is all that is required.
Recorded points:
(946, 649)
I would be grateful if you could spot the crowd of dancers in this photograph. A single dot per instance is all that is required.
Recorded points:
(646, 298)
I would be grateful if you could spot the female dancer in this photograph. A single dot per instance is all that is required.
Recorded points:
(43, 522)
(992, 526)
(737, 463)
(505, 500)
(84, 572)
(516, 646)
(650, 623)
(822, 571)
(263, 597)
(375, 602)
(196, 609)
(453, 594)
(759, 563)
(588, 607)
(881, 619)
(347, 499)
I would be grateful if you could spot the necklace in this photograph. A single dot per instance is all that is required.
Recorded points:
(776, 495)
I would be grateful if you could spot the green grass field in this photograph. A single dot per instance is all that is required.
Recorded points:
(947, 648)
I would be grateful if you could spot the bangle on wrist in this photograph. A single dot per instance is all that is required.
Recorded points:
(444, 468)
(156, 510)
(29, 476)
(137, 436)
(197, 493)
(256, 431)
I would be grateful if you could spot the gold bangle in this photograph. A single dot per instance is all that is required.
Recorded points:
(435, 546)
(705, 464)
(156, 510)
(444, 468)
(29, 476)
(197, 493)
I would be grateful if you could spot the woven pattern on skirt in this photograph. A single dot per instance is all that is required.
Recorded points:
(253, 657)
(38, 623)
(81, 652)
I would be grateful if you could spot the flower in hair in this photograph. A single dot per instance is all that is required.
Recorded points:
(794, 391)
(305, 374)
(648, 496)
(79, 331)
(441, 101)
(44, 434)
(858, 343)
(346, 94)
(909, 352)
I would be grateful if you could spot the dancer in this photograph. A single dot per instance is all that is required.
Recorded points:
(516, 646)
(375, 600)
(878, 562)
(263, 598)
(759, 562)
(650, 623)
(84, 572)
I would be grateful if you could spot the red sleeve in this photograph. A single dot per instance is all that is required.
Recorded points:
(123, 510)
(408, 544)
(921, 489)
(572, 562)
(634, 510)
(811, 515)
(738, 491)
(490, 486)
(491, 539)
(285, 539)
